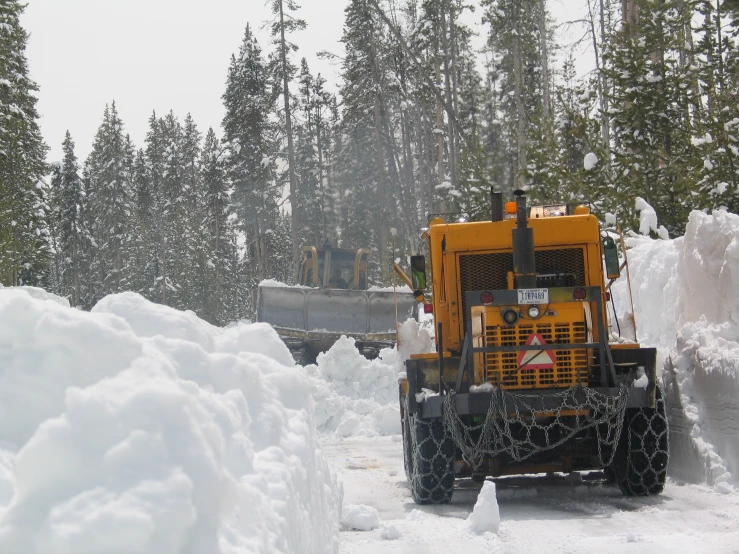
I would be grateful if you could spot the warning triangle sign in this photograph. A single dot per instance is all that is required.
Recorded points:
(536, 359)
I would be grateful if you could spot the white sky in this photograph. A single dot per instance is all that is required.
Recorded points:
(157, 55)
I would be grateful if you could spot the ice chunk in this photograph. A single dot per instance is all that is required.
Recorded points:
(360, 517)
(390, 532)
(485, 516)
(485, 387)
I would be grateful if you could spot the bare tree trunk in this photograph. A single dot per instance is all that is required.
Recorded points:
(605, 119)
(381, 188)
(630, 15)
(439, 132)
(449, 97)
(321, 188)
(520, 113)
(294, 223)
(544, 57)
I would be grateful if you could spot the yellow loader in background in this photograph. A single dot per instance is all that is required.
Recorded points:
(332, 298)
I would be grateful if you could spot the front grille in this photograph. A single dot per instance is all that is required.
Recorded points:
(501, 368)
(490, 271)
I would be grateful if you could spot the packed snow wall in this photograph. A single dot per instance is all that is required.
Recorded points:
(686, 300)
(140, 428)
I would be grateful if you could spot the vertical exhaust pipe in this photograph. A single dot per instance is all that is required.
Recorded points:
(524, 263)
(496, 205)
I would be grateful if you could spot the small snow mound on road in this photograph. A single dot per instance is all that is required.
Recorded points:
(485, 516)
(128, 430)
(390, 533)
(360, 517)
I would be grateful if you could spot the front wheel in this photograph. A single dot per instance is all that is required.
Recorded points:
(639, 466)
(430, 465)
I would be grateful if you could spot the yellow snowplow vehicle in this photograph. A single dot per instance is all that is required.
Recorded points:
(525, 378)
(332, 298)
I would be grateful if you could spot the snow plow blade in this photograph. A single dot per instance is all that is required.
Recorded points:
(311, 320)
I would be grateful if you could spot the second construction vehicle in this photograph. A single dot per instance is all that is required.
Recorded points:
(332, 298)
(525, 379)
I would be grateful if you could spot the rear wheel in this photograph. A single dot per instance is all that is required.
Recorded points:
(639, 466)
(430, 465)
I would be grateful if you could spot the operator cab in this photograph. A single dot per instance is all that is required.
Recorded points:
(334, 268)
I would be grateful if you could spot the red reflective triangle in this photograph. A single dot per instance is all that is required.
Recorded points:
(536, 359)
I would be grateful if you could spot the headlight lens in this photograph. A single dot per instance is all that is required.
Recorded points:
(534, 312)
(510, 316)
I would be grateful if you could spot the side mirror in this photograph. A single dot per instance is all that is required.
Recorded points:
(418, 272)
(613, 269)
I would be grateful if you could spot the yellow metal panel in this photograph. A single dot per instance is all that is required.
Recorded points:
(568, 326)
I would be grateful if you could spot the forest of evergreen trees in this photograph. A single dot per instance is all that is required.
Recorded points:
(422, 123)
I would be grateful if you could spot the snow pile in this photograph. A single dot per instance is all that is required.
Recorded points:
(360, 517)
(703, 376)
(390, 532)
(648, 220)
(655, 288)
(139, 428)
(686, 297)
(359, 397)
(485, 516)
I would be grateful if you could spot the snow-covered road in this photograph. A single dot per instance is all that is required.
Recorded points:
(538, 513)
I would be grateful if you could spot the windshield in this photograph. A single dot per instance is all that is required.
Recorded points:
(342, 272)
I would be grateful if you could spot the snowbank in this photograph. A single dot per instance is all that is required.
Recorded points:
(138, 428)
(686, 297)
(359, 397)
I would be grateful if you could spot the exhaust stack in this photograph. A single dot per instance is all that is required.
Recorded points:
(496, 205)
(524, 263)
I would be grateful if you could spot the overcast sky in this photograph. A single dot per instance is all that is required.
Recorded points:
(155, 55)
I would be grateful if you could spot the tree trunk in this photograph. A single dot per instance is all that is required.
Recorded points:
(520, 113)
(439, 132)
(449, 98)
(294, 223)
(544, 57)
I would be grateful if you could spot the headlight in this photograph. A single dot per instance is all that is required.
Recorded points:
(510, 316)
(534, 312)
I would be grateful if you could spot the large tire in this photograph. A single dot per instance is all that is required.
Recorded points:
(407, 446)
(431, 463)
(639, 466)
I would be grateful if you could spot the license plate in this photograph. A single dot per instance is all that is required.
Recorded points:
(533, 296)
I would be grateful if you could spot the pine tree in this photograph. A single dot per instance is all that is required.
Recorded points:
(715, 136)
(361, 164)
(145, 239)
(72, 231)
(651, 126)
(222, 260)
(249, 163)
(109, 175)
(24, 255)
(516, 39)
(307, 166)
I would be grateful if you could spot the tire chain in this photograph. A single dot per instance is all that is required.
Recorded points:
(497, 435)
(433, 457)
(648, 451)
